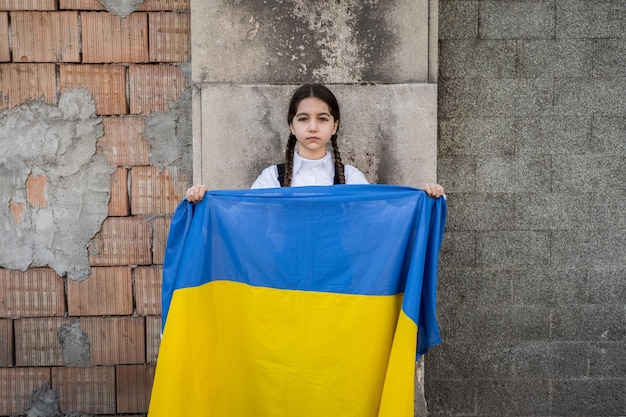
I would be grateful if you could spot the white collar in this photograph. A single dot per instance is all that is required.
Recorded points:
(326, 161)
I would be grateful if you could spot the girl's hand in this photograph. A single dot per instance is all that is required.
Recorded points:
(434, 190)
(195, 194)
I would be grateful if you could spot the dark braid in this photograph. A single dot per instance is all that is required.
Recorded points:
(338, 164)
(289, 151)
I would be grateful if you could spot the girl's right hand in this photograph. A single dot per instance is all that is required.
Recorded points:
(195, 194)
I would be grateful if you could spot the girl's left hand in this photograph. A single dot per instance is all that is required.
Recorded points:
(434, 190)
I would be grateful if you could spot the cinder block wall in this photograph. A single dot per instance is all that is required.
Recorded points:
(94, 342)
(532, 152)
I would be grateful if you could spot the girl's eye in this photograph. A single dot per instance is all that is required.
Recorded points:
(302, 119)
(323, 119)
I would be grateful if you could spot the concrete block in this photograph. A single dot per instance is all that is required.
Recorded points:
(588, 397)
(153, 338)
(553, 135)
(123, 143)
(45, 37)
(607, 360)
(588, 173)
(119, 204)
(80, 5)
(608, 59)
(457, 174)
(167, 5)
(517, 19)
(530, 323)
(109, 38)
(458, 249)
(541, 287)
(514, 97)
(449, 397)
(608, 134)
(457, 361)
(21, 383)
(458, 97)
(148, 290)
(471, 287)
(154, 87)
(587, 96)
(170, 37)
(568, 360)
(493, 325)
(121, 241)
(513, 249)
(297, 41)
(467, 211)
(458, 19)
(6, 344)
(476, 136)
(456, 323)
(591, 323)
(494, 397)
(606, 285)
(492, 361)
(90, 390)
(5, 52)
(37, 342)
(20, 83)
(107, 291)
(595, 248)
(38, 292)
(133, 387)
(160, 231)
(530, 359)
(389, 132)
(156, 192)
(116, 340)
(513, 173)
(482, 59)
(106, 83)
(28, 5)
(545, 58)
(597, 19)
(551, 211)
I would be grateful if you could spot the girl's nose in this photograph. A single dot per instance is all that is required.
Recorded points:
(312, 127)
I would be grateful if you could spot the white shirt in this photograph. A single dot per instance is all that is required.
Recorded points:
(309, 172)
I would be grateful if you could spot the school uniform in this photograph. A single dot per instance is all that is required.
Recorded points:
(309, 172)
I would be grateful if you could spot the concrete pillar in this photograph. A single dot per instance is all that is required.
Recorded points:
(378, 56)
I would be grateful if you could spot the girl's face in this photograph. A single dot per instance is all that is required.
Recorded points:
(313, 125)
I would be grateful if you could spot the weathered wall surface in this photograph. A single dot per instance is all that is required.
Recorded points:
(532, 152)
(95, 154)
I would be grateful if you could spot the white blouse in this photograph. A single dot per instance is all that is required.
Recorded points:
(309, 172)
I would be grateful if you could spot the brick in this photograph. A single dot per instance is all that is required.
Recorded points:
(45, 37)
(36, 190)
(134, 386)
(596, 19)
(21, 83)
(37, 342)
(28, 5)
(6, 343)
(116, 340)
(107, 291)
(160, 231)
(513, 249)
(153, 338)
(458, 19)
(107, 83)
(154, 192)
(36, 292)
(90, 390)
(123, 143)
(5, 54)
(153, 87)
(514, 173)
(170, 37)
(484, 59)
(119, 204)
(80, 5)
(476, 136)
(17, 209)
(122, 241)
(518, 19)
(555, 58)
(109, 38)
(173, 5)
(148, 290)
(16, 386)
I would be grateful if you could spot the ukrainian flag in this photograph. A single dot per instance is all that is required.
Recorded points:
(298, 302)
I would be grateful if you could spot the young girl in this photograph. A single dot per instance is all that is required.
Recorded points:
(313, 118)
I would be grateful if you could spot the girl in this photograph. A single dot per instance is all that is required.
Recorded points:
(313, 118)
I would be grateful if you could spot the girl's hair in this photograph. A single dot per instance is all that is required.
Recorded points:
(323, 93)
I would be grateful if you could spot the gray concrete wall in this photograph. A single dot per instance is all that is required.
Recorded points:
(532, 152)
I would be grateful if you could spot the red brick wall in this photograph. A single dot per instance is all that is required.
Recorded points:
(131, 67)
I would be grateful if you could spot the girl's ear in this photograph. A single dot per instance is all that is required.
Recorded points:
(291, 127)
(336, 127)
